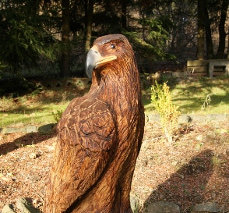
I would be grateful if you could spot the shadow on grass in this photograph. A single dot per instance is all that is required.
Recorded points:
(190, 94)
(40, 109)
(186, 187)
(37, 108)
(190, 103)
(28, 139)
(44, 92)
(46, 100)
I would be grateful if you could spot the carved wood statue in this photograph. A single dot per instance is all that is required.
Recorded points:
(99, 135)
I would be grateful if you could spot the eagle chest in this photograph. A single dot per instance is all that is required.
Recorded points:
(90, 124)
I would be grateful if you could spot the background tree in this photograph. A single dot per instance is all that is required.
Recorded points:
(124, 14)
(208, 32)
(210, 22)
(24, 40)
(159, 30)
(201, 30)
(89, 5)
(222, 34)
(65, 31)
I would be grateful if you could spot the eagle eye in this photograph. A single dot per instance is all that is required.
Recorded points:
(112, 46)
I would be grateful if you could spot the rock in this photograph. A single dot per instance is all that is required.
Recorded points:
(162, 207)
(33, 155)
(152, 117)
(25, 207)
(27, 129)
(134, 203)
(8, 209)
(30, 129)
(46, 128)
(10, 130)
(216, 117)
(208, 207)
(199, 137)
(184, 119)
(37, 203)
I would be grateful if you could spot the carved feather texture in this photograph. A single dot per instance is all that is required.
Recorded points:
(99, 138)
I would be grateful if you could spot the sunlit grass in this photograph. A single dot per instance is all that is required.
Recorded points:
(39, 108)
(190, 96)
(43, 115)
(33, 109)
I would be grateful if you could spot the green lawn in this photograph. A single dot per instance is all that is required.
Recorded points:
(36, 109)
(199, 96)
(43, 106)
(36, 116)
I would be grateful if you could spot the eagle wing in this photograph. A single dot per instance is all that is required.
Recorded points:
(86, 139)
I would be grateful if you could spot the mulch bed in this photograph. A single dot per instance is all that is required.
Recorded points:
(193, 169)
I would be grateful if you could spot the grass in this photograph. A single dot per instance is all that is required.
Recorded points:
(43, 106)
(192, 96)
(35, 109)
(41, 115)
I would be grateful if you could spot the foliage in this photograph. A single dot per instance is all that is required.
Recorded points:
(162, 101)
(107, 22)
(158, 30)
(145, 50)
(16, 87)
(24, 39)
(207, 101)
(57, 115)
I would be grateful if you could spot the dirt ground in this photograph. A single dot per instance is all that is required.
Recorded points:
(193, 169)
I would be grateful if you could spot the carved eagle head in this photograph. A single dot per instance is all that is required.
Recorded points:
(108, 51)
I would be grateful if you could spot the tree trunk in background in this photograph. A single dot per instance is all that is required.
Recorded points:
(65, 55)
(222, 33)
(200, 35)
(208, 34)
(227, 45)
(88, 14)
(123, 18)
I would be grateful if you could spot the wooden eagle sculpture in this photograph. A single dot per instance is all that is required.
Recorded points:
(99, 135)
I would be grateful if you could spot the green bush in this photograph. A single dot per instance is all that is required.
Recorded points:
(162, 101)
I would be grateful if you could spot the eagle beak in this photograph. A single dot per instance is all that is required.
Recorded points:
(94, 60)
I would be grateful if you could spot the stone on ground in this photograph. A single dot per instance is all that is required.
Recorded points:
(208, 207)
(8, 209)
(162, 207)
(24, 206)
